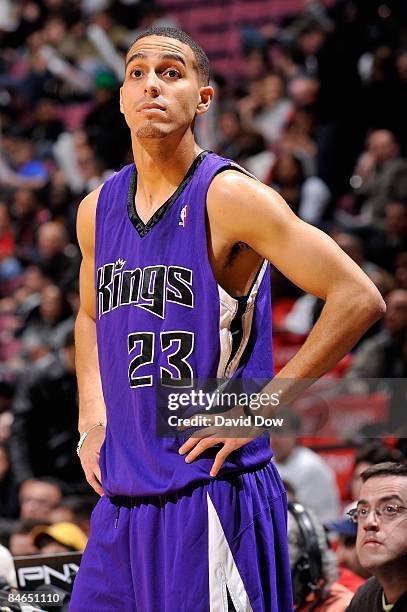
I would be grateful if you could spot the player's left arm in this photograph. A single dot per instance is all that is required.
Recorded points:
(244, 209)
(241, 209)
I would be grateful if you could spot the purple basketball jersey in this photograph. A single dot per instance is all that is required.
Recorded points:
(162, 315)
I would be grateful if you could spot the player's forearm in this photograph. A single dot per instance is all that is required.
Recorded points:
(91, 403)
(344, 319)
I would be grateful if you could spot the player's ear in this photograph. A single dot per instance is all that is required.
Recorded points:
(121, 101)
(205, 99)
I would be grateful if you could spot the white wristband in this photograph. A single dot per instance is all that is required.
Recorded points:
(85, 433)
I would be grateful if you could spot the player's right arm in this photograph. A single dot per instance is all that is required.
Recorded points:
(92, 407)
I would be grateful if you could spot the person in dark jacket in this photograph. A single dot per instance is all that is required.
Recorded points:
(44, 428)
(381, 516)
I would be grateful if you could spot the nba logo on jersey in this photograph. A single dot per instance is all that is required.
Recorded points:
(184, 212)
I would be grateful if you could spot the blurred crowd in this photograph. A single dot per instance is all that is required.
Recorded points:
(315, 109)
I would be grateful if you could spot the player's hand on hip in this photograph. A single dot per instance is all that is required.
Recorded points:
(89, 456)
(211, 435)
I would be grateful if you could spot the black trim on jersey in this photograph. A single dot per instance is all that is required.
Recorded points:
(236, 325)
(144, 228)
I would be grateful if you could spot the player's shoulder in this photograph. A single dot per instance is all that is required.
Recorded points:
(234, 181)
(230, 179)
(234, 190)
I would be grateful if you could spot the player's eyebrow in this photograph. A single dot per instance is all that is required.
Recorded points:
(170, 56)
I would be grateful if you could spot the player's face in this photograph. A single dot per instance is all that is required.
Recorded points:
(161, 92)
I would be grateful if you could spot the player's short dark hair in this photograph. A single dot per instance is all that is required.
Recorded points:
(389, 468)
(202, 62)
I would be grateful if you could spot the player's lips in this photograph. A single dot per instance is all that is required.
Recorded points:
(151, 106)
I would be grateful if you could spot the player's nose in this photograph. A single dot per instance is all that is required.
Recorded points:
(152, 84)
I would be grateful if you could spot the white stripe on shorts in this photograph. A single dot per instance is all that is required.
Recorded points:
(223, 571)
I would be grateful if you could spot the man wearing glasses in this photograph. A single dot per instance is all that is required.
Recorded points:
(381, 544)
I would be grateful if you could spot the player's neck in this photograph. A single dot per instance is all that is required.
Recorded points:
(161, 165)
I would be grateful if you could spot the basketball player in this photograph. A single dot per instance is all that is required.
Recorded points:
(175, 285)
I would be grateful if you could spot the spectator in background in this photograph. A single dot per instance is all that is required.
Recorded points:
(28, 294)
(27, 216)
(308, 197)
(61, 201)
(75, 509)
(380, 176)
(381, 515)
(91, 169)
(230, 127)
(303, 91)
(50, 321)
(253, 155)
(27, 166)
(58, 260)
(313, 480)
(38, 496)
(21, 543)
(59, 537)
(299, 138)
(367, 455)
(287, 177)
(34, 350)
(384, 355)
(46, 126)
(266, 110)
(313, 565)
(44, 432)
(105, 127)
(385, 244)
(62, 514)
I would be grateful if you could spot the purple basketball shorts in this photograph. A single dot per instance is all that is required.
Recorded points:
(211, 547)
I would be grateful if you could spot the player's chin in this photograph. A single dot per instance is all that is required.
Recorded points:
(151, 130)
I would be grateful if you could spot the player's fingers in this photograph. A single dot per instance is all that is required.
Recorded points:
(97, 472)
(194, 439)
(95, 484)
(200, 447)
(219, 460)
(92, 474)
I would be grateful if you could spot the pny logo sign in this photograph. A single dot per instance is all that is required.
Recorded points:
(46, 575)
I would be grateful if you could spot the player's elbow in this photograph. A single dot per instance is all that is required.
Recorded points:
(370, 305)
